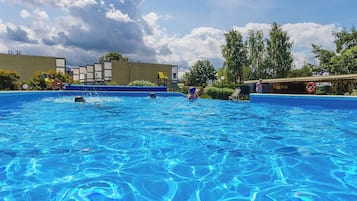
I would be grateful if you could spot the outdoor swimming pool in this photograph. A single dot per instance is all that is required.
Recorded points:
(137, 148)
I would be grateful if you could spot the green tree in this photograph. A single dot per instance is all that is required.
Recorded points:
(38, 80)
(201, 72)
(341, 61)
(305, 71)
(186, 78)
(112, 56)
(8, 80)
(235, 55)
(345, 40)
(256, 50)
(346, 62)
(324, 57)
(248, 73)
(279, 57)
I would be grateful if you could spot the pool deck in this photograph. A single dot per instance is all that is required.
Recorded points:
(326, 101)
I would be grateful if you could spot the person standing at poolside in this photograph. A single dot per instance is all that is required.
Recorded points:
(259, 86)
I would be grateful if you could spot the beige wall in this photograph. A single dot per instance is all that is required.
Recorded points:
(26, 66)
(122, 72)
(125, 72)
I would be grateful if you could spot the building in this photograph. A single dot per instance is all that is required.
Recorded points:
(27, 65)
(300, 85)
(122, 73)
(118, 72)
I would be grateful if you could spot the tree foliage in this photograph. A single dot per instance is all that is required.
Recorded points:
(341, 61)
(112, 56)
(256, 46)
(38, 80)
(258, 57)
(200, 73)
(235, 55)
(279, 57)
(305, 71)
(346, 40)
(8, 80)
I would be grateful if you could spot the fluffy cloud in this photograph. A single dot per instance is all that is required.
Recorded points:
(20, 34)
(55, 3)
(206, 42)
(82, 31)
(24, 13)
(201, 43)
(87, 27)
(304, 34)
(117, 15)
(40, 14)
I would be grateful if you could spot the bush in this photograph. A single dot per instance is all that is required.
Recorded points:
(8, 80)
(112, 82)
(38, 80)
(218, 93)
(141, 83)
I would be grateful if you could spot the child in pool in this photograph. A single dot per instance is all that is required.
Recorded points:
(192, 95)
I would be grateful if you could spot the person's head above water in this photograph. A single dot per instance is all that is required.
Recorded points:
(79, 99)
(152, 95)
(192, 90)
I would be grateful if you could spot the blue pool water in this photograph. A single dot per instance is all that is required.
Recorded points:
(136, 148)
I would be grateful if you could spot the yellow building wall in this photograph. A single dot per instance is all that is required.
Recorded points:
(26, 66)
(125, 72)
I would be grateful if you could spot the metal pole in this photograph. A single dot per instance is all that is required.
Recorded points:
(222, 88)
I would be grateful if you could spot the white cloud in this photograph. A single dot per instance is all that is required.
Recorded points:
(201, 43)
(40, 14)
(55, 3)
(265, 28)
(304, 34)
(3, 48)
(117, 15)
(206, 42)
(83, 35)
(72, 3)
(2, 27)
(24, 13)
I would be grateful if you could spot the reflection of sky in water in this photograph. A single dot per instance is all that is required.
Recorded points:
(122, 148)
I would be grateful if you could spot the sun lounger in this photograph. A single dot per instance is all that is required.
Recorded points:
(235, 95)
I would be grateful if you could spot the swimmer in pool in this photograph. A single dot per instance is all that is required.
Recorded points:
(79, 99)
(192, 95)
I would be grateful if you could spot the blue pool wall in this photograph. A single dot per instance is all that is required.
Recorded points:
(79, 87)
(311, 101)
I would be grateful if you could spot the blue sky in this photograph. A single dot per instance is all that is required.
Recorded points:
(176, 32)
(187, 14)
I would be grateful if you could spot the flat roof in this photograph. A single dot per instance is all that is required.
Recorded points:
(307, 79)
